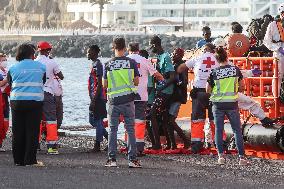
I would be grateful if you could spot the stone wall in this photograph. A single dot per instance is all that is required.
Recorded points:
(77, 46)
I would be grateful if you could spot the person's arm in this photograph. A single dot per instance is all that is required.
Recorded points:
(60, 75)
(208, 88)
(105, 77)
(9, 78)
(268, 38)
(136, 74)
(187, 65)
(99, 74)
(57, 72)
(3, 82)
(44, 78)
(210, 84)
(153, 72)
(240, 81)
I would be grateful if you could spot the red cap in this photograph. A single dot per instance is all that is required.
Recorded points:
(43, 45)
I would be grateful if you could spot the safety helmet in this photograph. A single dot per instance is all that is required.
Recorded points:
(281, 8)
(219, 42)
(43, 45)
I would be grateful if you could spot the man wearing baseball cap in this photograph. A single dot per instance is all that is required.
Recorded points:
(53, 75)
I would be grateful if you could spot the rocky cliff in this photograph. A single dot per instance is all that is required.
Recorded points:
(33, 13)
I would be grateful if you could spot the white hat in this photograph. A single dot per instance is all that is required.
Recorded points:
(281, 8)
(219, 42)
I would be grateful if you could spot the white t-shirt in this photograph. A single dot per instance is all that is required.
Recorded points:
(145, 69)
(52, 84)
(202, 66)
(4, 74)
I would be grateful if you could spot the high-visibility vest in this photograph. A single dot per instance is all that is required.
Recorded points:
(225, 89)
(27, 80)
(120, 82)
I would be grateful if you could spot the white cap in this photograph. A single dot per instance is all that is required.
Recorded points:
(219, 42)
(281, 8)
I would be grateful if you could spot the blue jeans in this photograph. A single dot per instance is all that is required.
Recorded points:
(234, 118)
(98, 124)
(128, 112)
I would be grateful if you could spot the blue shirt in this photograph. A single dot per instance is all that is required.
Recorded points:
(203, 42)
(26, 78)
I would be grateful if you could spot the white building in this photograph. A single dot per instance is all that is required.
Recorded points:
(262, 7)
(127, 13)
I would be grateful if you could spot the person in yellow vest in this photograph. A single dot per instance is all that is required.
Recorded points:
(121, 75)
(223, 85)
(274, 41)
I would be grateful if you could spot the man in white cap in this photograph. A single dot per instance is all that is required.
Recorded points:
(274, 41)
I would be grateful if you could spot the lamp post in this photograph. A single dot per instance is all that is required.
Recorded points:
(183, 15)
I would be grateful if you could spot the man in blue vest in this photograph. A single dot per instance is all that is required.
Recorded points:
(121, 75)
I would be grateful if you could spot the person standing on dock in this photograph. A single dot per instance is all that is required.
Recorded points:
(145, 69)
(97, 108)
(202, 66)
(274, 41)
(121, 75)
(223, 85)
(49, 104)
(164, 91)
(27, 78)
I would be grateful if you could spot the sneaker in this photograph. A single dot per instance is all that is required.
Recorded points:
(244, 161)
(134, 164)
(52, 151)
(111, 163)
(38, 164)
(221, 160)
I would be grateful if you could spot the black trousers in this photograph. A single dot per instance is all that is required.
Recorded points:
(26, 118)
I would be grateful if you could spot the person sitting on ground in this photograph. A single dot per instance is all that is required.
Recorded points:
(97, 108)
(206, 33)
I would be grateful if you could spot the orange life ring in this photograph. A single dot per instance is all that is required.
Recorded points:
(238, 44)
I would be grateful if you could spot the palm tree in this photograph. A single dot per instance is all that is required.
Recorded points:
(101, 3)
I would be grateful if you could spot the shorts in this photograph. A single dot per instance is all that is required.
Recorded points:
(174, 109)
(140, 110)
(49, 107)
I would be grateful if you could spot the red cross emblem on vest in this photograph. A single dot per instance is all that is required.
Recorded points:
(208, 62)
